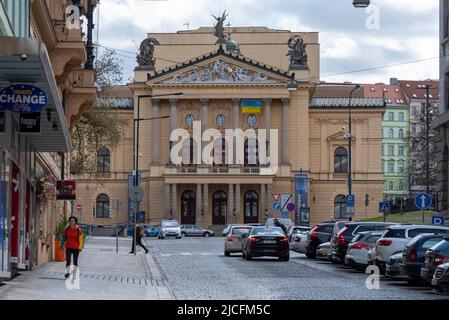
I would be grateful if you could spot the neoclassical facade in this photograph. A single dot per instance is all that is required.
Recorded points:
(309, 149)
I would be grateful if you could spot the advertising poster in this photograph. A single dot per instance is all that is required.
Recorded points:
(15, 193)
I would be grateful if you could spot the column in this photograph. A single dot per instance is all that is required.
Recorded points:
(269, 195)
(237, 202)
(155, 132)
(267, 116)
(198, 202)
(206, 202)
(167, 200)
(173, 114)
(285, 105)
(204, 120)
(231, 205)
(263, 203)
(174, 201)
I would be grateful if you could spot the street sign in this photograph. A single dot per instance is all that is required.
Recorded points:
(284, 214)
(276, 196)
(350, 200)
(285, 199)
(276, 206)
(79, 207)
(438, 220)
(384, 207)
(423, 201)
(291, 206)
(136, 194)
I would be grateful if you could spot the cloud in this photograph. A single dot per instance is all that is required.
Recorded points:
(408, 30)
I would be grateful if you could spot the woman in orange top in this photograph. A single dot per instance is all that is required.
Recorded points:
(73, 241)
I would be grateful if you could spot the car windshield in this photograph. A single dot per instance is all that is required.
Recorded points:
(442, 247)
(394, 233)
(240, 230)
(357, 238)
(271, 231)
(171, 224)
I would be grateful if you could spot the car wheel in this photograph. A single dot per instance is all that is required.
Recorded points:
(243, 255)
(183, 234)
(310, 256)
(284, 258)
(206, 234)
(248, 257)
(227, 253)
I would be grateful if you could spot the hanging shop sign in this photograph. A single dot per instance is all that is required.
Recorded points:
(66, 190)
(22, 98)
(30, 122)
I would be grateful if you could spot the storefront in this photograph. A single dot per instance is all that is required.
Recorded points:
(34, 126)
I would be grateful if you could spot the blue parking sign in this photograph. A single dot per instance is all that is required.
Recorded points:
(384, 207)
(350, 200)
(438, 220)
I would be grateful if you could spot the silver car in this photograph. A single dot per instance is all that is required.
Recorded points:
(233, 241)
(192, 230)
(358, 249)
(323, 251)
(169, 228)
(298, 241)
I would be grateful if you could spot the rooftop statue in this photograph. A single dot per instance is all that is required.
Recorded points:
(297, 52)
(145, 58)
(219, 28)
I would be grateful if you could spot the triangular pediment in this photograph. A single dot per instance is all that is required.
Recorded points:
(339, 136)
(220, 68)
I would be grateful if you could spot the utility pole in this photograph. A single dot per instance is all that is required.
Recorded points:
(428, 138)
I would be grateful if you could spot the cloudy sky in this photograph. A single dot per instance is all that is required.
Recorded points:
(401, 36)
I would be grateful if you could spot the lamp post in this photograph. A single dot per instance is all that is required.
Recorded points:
(136, 128)
(356, 87)
(361, 3)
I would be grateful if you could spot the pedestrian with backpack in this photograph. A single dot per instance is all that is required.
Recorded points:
(73, 241)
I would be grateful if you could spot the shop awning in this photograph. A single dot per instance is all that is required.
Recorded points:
(36, 70)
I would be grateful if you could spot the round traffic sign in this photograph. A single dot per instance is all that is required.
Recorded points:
(290, 206)
(276, 206)
(423, 201)
(79, 207)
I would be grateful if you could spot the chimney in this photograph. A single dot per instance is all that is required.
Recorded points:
(394, 81)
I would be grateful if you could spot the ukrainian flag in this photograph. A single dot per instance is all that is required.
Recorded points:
(251, 106)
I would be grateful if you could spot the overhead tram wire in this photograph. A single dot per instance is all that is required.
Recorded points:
(131, 53)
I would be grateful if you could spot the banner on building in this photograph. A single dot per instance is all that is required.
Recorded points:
(66, 190)
(22, 98)
(302, 198)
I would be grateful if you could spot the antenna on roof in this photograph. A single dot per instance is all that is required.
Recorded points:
(187, 24)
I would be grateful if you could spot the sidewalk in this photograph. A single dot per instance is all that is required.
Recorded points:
(104, 275)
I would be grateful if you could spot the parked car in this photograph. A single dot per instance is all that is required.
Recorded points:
(192, 230)
(227, 228)
(254, 224)
(319, 234)
(435, 256)
(392, 266)
(298, 240)
(323, 251)
(338, 225)
(169, 228)
(265, 241)
(441, 278)
(358, 249)
(286, 222)
(297, 229)
(345, 236)
(414, 254)
(396, 237)
(150, 231)
(233, 241)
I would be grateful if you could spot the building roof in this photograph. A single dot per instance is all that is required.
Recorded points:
(392, 93)
(221, 52)
(120, 97)
(336, 95)
(416, 89)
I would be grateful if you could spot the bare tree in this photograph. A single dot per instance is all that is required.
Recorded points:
(99, 126)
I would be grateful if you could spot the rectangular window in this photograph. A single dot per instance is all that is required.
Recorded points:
(18, 15)
(391, 167)
(401, 151)
(401, 116)
(391, 150)
(391, 116)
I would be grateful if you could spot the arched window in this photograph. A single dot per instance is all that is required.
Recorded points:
(219, 207)
(219, 152)
(104, 160)
(340, 207)
(102, 210)
(251, 152)
(188, 207)
(341, 160)
(401, 133)
(401, 185)
(189, 152)
(390, 186)
(251, 199)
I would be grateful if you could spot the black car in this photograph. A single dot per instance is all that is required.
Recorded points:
(441, 278)
(265, 241)
(319, 234)
(392, 266)
(435, 256)
(414, 254)
(345, 236)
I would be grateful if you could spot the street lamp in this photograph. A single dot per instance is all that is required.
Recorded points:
(136, 149)
(361, 3)
(356, 87)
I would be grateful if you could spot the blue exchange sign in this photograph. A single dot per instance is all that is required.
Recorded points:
(22, 98)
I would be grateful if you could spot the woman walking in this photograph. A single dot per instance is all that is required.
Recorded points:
(73, 241)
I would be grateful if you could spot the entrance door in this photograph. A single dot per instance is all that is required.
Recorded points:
(251, 201)
(188, 207)
(219, 208)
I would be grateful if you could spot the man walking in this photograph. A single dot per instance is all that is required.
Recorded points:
(140, 233)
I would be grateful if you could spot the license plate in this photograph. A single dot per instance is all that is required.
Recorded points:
(434, 282)
(269, 241)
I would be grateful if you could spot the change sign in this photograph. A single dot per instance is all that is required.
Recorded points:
(22, 98)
